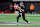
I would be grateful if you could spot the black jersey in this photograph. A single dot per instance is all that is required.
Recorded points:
(21, 12)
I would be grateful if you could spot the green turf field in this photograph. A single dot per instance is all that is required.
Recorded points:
(33, 18)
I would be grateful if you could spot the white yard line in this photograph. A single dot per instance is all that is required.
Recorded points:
(8, 24)
(18, 24)
(25, 14)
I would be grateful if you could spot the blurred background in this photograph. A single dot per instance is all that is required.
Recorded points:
(29, 6)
